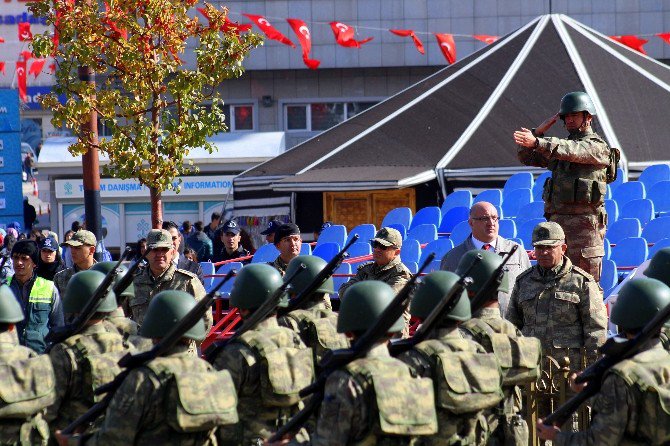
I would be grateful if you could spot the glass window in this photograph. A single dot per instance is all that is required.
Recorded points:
(326, 115)
(296, 117)
(244, 117)
(354, 108)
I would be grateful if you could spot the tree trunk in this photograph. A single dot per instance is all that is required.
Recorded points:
(156, 208)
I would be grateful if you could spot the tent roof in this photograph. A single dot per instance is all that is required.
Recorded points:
(459, 121)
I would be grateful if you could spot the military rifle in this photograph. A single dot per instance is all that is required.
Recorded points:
(492, 283)
(59, 334)
(132, 361)
(125, 281)
(336, 359)
(258, 316)
(320, 278)
(444, 307)
(614, 352)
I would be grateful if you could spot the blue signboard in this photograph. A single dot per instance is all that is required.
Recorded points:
(11, 187)
(33, 94)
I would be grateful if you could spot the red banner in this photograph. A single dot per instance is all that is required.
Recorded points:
(36, 67)
(410, 33)
(2, 67)
(633, 42)
(344, 35)
(25, 34)
(447, 46)
(486, 38)
(21, 79)
(305, 38)
(270, 31)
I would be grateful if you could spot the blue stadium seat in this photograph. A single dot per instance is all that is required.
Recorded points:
(608, 248)
(653, 174)
(538, 186)
(620, 179)
(402, 229)
(460, 233)
(520, 242)
(612, 209)
(333, 234)
(207, 269)
(631, 190)
(608, 276)
(525, 231)
(224, 269)
(662, 243)
(440, 247)
(660, 195)
(657, 229)
(507, 228)
(326, 251)
(306, 249)
(630, 251)
(608, 193)
(413, 267)
(266, 253)
(401, 216)
(642, 209)
(493, 196)
(365, 232)
(434, 266)
(453, 217)
(344, 268)
(521, 180)
(359, 249)
(514, 201)
(623, 228)
(429, 215)
(455, 199)
(410, 251)
(423, 233)
(530, 211)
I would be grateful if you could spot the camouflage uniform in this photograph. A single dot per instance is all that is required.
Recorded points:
(71, 359)
(665, 338)
(128, 328)
(279, 265)
(62, 278)
(623, 413)
(574, 195)
(142, 409)
(462, 428)
(32, 429)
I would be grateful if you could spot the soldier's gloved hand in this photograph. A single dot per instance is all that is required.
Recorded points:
(545, 432)
(573, 385)
(546, 125)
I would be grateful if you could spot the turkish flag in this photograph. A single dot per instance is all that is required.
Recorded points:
(270, 31)
(2, 67)
(447, 46)
(52, 68)
(237, 28)
(344, 34)
(410, 33)
(21, 79)
(36, 67)
(300, 29)
(664, 36)
(25, 34)
(2, 40)
(633, 42)
(27, 55)
(486, 38)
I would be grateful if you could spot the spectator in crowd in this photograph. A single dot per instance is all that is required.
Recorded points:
(247, 241)
(29, 214)
(484, 235)
(190, 254)
(230, 243)
(8, 244)
(75, 226)
(210, 229)
(36, 236)
(186, 228)
(200, 243)
(179, 260)
(269, 232)
(65, 253)
(288, 241)
(50, 261)
(29, 166)
(82, 247)
(15, 225)
(319, 230)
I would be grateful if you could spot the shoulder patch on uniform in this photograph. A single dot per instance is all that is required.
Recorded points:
(187, 273)
(580, 271)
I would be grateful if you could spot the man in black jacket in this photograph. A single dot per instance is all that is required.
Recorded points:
(179, 259)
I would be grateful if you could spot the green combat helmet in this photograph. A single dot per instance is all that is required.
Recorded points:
(255, 284)
(638, 302)
(364, 303)
(659, 266)
(106, 267)
(574, 102)
(81, 288)
(314, 266)
(10, 310)
(165, 310)
(433, 288)
(482, 271)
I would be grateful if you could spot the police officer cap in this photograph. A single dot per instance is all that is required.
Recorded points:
(272, 227)
(548, 233)
(231, 226)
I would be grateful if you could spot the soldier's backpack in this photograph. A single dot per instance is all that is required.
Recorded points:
(466, 380)
(198, 398)
(319, 333)
(27, 386)
(285, 368)
(519, 356)
(405, 405)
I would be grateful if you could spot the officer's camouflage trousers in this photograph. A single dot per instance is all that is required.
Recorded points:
(584, 236)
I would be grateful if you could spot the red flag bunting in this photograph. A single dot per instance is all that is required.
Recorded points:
(344, 35)
(2, 67)
(36, 67)
(300, 29)
(27, 55)
(664, 36)
(447, 46)
(237, 28)
(486, 38)
(633, 42)
(52, 68)
(21, 79)
(55, 38)
(270, 31)
(2, 40)
(25, 34)
(410, 33)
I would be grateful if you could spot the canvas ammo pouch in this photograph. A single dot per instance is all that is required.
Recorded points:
(406, 405)
(285, 369)
(27, 386)
(466, 381)
(320, 332)
(196, 400)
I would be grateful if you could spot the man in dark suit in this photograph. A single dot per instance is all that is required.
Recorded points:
(179, 259)
(483, 223)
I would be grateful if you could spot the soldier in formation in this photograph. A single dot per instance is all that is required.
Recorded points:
(82, 247)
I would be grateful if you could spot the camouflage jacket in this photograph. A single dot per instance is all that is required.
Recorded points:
(128, 328)
(563, 308)
(34, 430)
(619, 414)
(394, 273)
(279, 265)
(138, 411)
(147, 286)
(62, 278)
